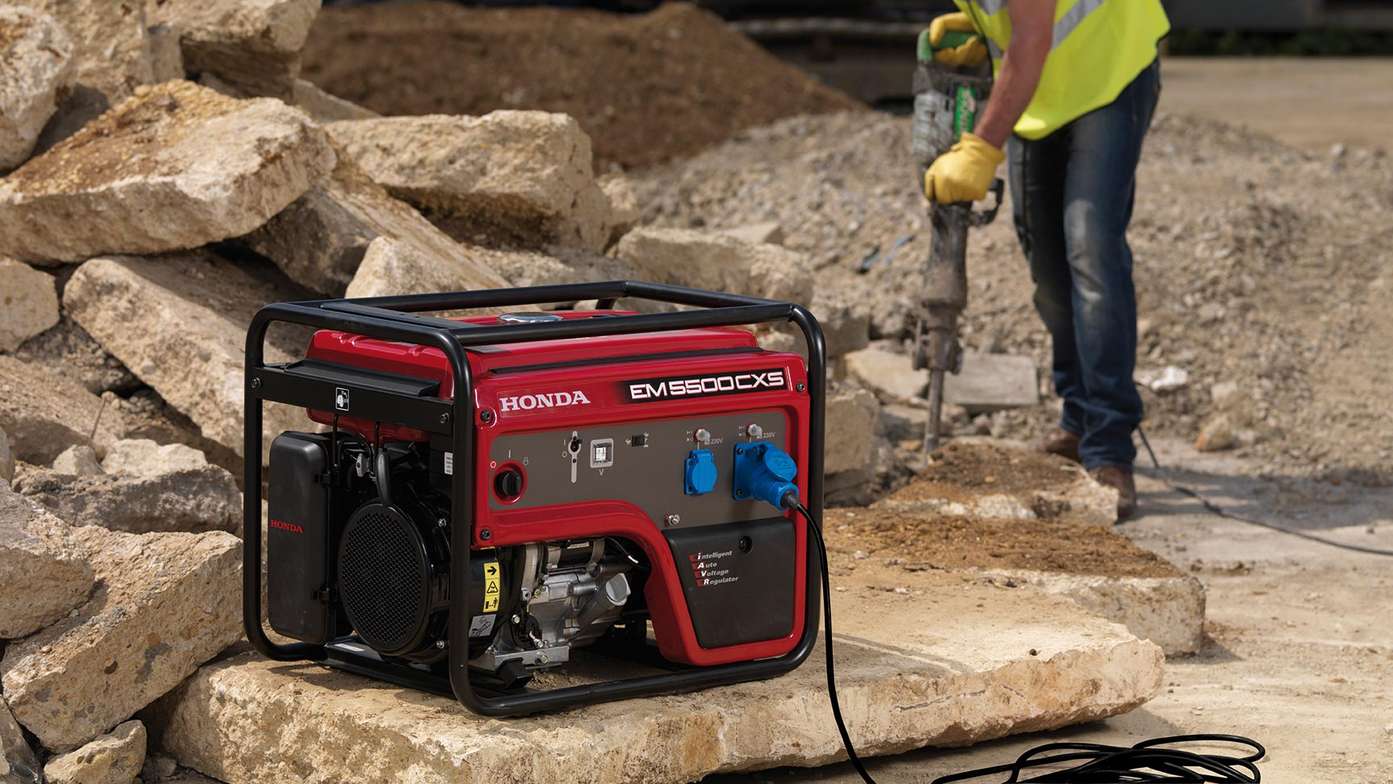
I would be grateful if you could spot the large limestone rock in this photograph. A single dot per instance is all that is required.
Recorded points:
(890, 374)
(394, 266)
(37, 63)
(111, 57)
(717, 261)
(253, 45)
(18, 762)
(202, 498)
(511, 176)
(852, 415)
(45, 413)
(78, 460)
(164, 604)
(144, 457)
(28, 300)
(913, 671)
(179, 323)
(43, 569)
(114, 758)
(321, 239)
(177, 166)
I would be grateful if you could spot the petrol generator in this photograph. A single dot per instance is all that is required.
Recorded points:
(485, 496)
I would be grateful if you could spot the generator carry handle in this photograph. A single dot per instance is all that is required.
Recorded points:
(396, 318)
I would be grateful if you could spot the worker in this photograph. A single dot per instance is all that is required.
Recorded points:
(1076, 83)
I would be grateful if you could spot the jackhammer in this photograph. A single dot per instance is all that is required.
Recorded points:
(947, 100)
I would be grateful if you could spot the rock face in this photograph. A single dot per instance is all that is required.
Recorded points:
(164, 604)
(717, 261)
(114, 758)
(37, 64)
(111, 56)
(43, 569)
(177, 166)
(518, 177)
(28, 299)
(924, 679)
(18, 763)
(320, 240)
(195, 307)
(393, 266)
(45, 413)
(253, 45)
(851, 430)
(203, 498)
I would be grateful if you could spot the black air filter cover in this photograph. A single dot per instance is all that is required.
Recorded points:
(385, 577)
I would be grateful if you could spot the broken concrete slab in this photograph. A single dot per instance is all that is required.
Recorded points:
(511, 177)
(164, 604)
(113, 758)
(324, 108)
(924, 680)
(192, 306)
(852, 414)
(890, 374)
(38, 63)
(77, 460)
(43, 568)
(253, 45)
(28, 300)
(320, 240)
(18, 762)
(981, 478)
(393, 266)
(711, 260)
(624, 212)
(757, 233)
(111, 57)
(144, 457)
(1101, 571)
(175, 167)
(204, 498)
(992, 382)
(45, 413)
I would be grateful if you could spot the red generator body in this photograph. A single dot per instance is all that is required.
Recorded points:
(487, 497)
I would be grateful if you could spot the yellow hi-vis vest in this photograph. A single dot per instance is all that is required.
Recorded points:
(1099, 48)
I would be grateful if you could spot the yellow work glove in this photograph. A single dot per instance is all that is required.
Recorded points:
(964, 172)
(969, 54)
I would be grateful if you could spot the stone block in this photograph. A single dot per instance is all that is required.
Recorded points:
(175, 167)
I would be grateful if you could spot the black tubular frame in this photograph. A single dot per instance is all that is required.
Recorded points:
(392, 318)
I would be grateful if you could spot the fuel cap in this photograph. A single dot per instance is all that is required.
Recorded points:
(532, 317)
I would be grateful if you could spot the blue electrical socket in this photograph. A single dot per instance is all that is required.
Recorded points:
(764, 472)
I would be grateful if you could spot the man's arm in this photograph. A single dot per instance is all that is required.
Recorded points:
(1032, 35)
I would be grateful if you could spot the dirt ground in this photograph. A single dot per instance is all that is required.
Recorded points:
(1311, 103)
(646, 87)
(1299, 653)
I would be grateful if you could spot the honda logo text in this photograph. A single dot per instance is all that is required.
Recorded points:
(543, 400)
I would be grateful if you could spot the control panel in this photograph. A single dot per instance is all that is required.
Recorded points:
(681, 472)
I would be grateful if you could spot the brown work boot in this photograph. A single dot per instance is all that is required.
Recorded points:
(1119, 477)
(1061, 442)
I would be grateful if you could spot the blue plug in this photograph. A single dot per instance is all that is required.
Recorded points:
(765, 472)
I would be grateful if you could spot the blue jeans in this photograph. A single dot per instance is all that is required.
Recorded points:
(1072, 194)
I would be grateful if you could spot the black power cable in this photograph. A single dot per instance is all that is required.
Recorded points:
(1215, 509)
(1154, 761)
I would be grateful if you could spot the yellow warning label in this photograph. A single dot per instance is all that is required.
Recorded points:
(493, 585)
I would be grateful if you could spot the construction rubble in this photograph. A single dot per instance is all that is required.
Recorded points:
(169, 169)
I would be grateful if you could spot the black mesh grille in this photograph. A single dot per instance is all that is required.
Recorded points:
(383, 578)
